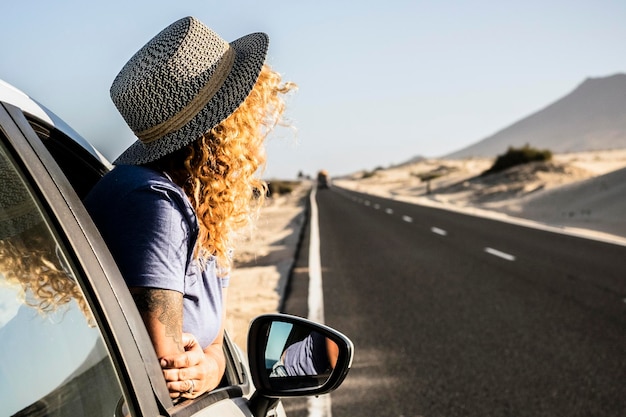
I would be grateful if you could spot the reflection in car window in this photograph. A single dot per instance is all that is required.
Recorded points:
(54, 361)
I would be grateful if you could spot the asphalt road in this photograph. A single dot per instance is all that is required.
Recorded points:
(454, 315)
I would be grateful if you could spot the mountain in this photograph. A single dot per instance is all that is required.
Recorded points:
(592, 117)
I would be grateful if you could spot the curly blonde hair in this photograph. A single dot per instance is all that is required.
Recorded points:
(30, 260)
(217, 171)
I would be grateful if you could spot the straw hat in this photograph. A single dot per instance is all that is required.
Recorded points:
(181, 84)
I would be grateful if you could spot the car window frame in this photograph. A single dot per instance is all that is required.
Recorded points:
(104, 288)
(114, 309)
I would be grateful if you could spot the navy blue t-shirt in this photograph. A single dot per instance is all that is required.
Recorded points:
(151, 229)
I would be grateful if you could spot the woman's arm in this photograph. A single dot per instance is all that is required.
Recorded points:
(196, 371)
(333, 352)
(162, 313)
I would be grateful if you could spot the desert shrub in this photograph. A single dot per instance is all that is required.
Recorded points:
(370, 174)
(518, 156)
(433, 174)
(428, 176)
(278, 187)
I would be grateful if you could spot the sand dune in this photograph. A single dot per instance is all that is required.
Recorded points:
(598, 203)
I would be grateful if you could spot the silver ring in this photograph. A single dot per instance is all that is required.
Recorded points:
(193, 386)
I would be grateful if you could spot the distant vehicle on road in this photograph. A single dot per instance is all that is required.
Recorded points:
(323, 179)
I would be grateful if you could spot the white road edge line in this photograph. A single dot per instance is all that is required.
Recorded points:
(438, 231)
(317, 406)
(500, 254)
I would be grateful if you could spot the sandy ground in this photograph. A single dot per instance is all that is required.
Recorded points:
(579, 193)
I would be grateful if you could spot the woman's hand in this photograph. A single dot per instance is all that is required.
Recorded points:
(194, 372)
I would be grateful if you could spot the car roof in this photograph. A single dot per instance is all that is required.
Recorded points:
(14, 96)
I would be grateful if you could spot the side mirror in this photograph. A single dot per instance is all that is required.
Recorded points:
(291, 356)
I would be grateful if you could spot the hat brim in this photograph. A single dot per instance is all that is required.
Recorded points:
(250, 53)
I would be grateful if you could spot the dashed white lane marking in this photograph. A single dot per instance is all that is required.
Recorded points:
(376, 206)
(367, 203)
(500, 254)
(389, 211)
(320, 406)
(407, 219)
(438, 231)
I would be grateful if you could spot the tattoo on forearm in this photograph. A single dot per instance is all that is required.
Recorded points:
(166, 306)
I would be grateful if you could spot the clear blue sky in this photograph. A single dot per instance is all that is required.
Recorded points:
(379, 82)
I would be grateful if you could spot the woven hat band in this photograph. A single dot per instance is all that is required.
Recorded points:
(187, 113)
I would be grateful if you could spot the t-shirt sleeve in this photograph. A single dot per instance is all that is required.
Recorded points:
(150, 239)
(225, 281)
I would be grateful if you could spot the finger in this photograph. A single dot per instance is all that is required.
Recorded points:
(180, 374)
(172, 374)
(184, 388)
(177, 387)
(192, 356)
(182, 360)
(174, 389)
(176, 361)
(192, 392)
(189, 341)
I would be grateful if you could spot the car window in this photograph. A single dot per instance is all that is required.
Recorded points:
(81, 168)
(54, 361)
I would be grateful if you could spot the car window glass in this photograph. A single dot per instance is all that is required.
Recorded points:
(53, 360)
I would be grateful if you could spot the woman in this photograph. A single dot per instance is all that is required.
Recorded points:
(201, 108)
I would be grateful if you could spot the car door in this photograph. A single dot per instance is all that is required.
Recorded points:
(71, 339)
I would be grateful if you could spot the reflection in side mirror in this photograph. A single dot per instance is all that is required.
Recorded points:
(311, 354)
(292, 356)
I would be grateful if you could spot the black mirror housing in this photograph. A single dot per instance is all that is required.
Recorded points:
(291, 356)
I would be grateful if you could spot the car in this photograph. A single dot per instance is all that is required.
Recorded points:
(72, 342)
(323, 179)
